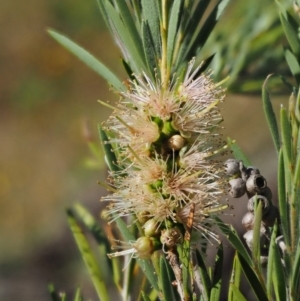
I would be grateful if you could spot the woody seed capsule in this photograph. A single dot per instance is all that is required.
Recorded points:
(232, 167)
(248, 220)
(248, 236)
(238, 187)
(265, 204)
(256, 184)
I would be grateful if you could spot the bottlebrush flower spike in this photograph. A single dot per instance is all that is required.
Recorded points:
(166, 138)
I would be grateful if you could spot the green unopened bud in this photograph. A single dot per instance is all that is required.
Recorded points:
(158, 121)
(157, 185)
(168, 129)
(151, 228)
(145, 246)
(169, 223)
(143, 217)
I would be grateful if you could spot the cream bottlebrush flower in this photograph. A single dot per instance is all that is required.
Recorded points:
(199, 98)
(165, 139)
(134, 128)
(147, 110)
(158, 188)
(202, 221)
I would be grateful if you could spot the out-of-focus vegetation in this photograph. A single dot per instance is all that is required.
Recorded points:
(44, 95)
(248, 45)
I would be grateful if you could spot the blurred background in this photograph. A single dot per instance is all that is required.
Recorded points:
(49, 110)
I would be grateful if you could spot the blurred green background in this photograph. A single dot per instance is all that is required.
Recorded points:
(47, 98)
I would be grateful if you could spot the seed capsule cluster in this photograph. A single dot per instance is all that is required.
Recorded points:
(249, 181)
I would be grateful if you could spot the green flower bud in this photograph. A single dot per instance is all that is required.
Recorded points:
(144, 247)
(151, 228)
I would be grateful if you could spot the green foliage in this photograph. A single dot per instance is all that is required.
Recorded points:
(248, 45)
(270, 116)
(280, 279)
(89, 258)
(88, 59)
(237, 152)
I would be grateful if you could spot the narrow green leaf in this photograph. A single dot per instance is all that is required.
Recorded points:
(184, 256)
(101, 4)
(130, 25)
(276, 276)
(126, 234)
(145, 297)
(144, 264)
(204, 65)
(88, 257)
(128, 70)
(290, 32)
(128, 44)
(282, 199)
(216, 284)
(78, 296)
(206, 29)
(110, 156)
(204, 275)
(293, 64)
(286, 137)
(256, 236)
(166, 281)
(237, 152)
(234, 239)
(89, 221)
(195, 16)
(270, 266)
(270, 116)
(287, 83)
(88, 59)
(53, 293)
(235, 277)
(238, 296)
(149, 47)
(296, 183)
(103, 245)
(172, 29)
(189, 29)
(151, 15)
(295, 280)
(255, 283)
